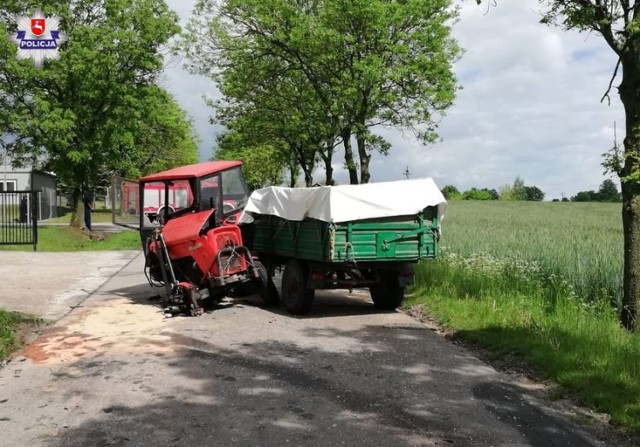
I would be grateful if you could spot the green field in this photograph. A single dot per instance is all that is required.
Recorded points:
(579, 242)
(540, 283)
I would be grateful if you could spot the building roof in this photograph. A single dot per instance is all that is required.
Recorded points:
(191, 171)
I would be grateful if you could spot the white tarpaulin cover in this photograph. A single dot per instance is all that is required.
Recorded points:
(346, 202)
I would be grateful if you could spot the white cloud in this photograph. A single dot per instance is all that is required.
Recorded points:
(529, 107)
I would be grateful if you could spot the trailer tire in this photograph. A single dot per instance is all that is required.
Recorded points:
(266, 288)
(297, 298)
(388, 294)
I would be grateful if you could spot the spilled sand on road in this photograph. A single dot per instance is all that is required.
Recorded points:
(116, 326)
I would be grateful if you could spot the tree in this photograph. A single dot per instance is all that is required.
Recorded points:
(450, 192)
(533, 193)
(584, 196)
(163, 138)
(477, 194)
(367, 63)
(608, 192)
(519, 189)
(263, 163)
(81, 116)
(506, 193)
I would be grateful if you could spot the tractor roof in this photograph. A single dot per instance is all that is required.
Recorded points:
(191, 171)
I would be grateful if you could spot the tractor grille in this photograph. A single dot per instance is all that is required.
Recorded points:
(230, 264)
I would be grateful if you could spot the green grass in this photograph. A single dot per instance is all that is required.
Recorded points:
(12, 324)
(63, 238)
(537, 280)
(98, 216)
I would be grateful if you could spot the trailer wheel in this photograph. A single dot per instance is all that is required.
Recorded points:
(266, 287)
(297, 299)
(388, 294)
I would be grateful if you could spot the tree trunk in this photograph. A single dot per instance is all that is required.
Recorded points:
(348, 156)
(631, 279)
(77, 208)
(364, 157)
(629, 94)
(328, 159)
(308, 178)
(293, 176)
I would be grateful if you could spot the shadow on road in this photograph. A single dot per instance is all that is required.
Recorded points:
(328, 303)
(392, 387)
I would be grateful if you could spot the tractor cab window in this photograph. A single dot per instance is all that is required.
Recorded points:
(234, 190)
(155, 194)
(209, 195)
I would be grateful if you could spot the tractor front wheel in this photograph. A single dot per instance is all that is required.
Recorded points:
(296, 297)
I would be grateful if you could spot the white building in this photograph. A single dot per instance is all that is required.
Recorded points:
(29, 179)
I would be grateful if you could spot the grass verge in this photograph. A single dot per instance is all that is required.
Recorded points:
(62, 238)
(97, 216)
(12, 328)
(510, 308)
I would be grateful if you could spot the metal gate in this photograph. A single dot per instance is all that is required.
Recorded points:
(19, 218)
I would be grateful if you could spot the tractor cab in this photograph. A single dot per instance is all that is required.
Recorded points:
(192, 243)
(218, 186)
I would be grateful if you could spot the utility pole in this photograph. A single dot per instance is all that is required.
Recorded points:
(407, 173)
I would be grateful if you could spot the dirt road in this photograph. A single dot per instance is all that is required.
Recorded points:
(116, 372)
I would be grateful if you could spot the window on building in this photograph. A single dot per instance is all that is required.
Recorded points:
(9, 185)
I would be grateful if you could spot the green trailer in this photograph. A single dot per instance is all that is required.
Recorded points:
(377, 253)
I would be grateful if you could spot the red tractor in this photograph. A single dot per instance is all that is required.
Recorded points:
(193, 246)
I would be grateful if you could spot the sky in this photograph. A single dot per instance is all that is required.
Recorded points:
(529, 106)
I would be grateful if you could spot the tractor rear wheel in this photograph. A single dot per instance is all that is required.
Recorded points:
(296, 297)
(266, 288)
(387, 294)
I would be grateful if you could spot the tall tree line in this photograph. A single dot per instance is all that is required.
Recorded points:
(301, 77)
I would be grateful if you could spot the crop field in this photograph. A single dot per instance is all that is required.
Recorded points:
(580, 243)
(541, 282)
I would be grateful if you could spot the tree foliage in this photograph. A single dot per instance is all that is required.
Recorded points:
(450, 192)
(328, 70)
(608, 192)
(263, 163)
(163, 138)
(480, 194)
(95, 111)
(533, 194)
(584, 196)
(520, 191)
